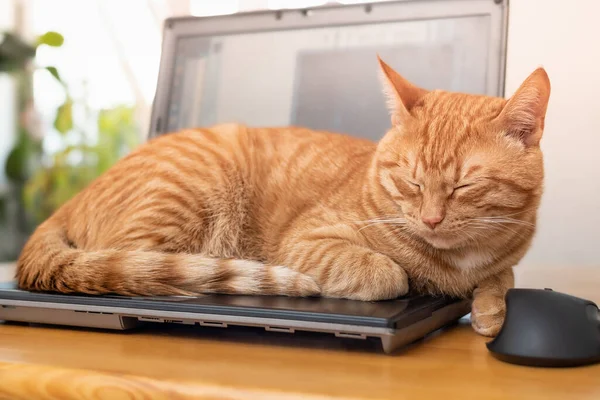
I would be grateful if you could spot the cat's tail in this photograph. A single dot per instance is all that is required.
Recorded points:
(49, 262)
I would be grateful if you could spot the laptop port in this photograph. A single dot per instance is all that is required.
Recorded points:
(279, 329)
(213, 324)
(350, 335)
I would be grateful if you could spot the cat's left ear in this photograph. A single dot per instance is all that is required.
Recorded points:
(524, 114)
(401, 94)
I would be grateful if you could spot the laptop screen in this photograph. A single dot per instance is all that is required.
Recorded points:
(321, 77)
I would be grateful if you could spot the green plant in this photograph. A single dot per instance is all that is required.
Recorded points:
(42, 182)
(16, 57)
(73, 168)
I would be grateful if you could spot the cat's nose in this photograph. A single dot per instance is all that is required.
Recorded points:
(432, 221)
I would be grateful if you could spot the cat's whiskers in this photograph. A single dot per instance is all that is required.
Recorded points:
(473, 235)
(513, 214)
(500, 223)
(392, 232)
(496, 227)
(500, 220)
(506, 222)
(398, 222)
(382, 218)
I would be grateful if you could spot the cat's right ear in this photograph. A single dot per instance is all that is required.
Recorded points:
(401, 94)
(524, 113)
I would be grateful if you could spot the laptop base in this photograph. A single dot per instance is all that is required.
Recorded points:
(119, 318)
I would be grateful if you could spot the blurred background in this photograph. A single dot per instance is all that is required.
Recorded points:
(77, 80)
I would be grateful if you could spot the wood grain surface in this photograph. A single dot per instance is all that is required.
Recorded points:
(39, 362)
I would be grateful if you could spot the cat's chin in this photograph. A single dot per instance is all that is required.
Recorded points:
(443, 242)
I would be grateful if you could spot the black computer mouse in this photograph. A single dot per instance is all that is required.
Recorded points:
(544, 328)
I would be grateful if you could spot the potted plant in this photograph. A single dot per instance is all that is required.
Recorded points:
(16, 58)
(41, 182)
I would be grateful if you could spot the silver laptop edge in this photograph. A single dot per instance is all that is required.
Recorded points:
(123, 318)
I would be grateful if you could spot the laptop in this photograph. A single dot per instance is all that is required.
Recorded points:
(317, 68)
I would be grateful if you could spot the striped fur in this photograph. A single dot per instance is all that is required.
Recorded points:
(297, 212)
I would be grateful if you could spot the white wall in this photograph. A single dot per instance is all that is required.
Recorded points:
(7, 99)
(564, 37)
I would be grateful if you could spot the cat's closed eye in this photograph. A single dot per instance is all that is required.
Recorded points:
(460, 187)
(416, 185)
(463, 186)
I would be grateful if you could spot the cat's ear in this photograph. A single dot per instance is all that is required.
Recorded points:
(524, 114)
(401, 94)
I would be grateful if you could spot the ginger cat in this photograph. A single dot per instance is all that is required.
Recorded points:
(445, 203)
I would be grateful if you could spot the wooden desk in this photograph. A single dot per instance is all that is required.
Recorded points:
(47, 363)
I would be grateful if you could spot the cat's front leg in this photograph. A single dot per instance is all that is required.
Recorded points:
(489, 308)
(344, 268)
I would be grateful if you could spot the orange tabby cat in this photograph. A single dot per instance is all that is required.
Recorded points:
(445, 203)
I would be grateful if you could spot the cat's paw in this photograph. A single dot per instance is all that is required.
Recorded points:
(307, 286)
(287, 282)
(487, 314)
(382, 279)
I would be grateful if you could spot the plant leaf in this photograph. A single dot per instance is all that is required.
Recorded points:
(54, 73)
(64, 117)
(51, 38)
